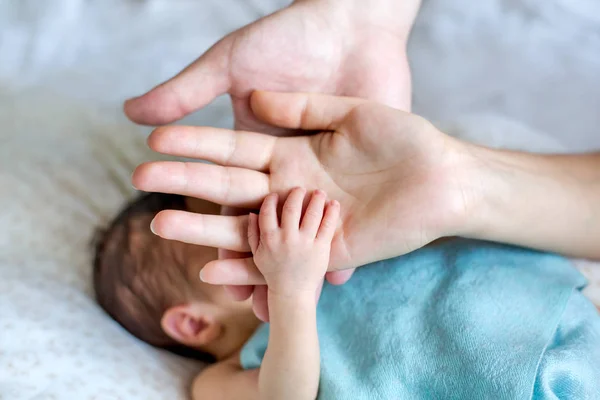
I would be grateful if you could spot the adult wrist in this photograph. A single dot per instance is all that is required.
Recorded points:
(467, 189)
(506, 195)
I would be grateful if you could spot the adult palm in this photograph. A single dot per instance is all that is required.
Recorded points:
(398, 179)
(310, 46)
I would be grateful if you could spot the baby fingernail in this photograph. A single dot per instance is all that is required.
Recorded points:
(152, 227)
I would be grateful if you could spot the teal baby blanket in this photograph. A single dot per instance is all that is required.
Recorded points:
(459, 320)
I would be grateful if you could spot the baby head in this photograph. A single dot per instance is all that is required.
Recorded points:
(151, 285)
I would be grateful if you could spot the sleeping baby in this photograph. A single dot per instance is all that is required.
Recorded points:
(460, 319)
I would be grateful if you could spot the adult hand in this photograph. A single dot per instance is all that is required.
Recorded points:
(338, 47)
(399, 180)
(328, 46)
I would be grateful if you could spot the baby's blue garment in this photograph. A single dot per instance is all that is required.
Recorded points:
(569, 369)
(460, 320)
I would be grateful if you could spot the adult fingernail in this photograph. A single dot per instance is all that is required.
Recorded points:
(131, 180)
(152, 227)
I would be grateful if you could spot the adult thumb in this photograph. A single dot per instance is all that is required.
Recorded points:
(193, 88)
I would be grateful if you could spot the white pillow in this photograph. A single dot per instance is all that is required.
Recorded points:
(65, 170)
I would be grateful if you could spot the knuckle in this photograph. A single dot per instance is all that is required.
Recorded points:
(232, 149)
(306, 241)
(267, 210)
(326, 224)
(290, 209)
(289, 236)
(312, 213)
(225, 185)
(298, 247)
(298, 243)
(269, 236)
(186, 176)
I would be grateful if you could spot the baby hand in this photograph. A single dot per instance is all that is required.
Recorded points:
(293, 257)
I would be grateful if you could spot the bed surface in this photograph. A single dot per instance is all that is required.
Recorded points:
(521, 74)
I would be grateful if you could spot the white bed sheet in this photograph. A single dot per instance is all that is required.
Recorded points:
(67, 151)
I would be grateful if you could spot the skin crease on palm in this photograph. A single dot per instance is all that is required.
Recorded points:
(295, 49)
(405, 190)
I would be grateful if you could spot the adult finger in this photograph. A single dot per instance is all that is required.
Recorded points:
(306, 111)
(240, 292)
(339, 277)
(260, 302)
(222, 185)
(193, 88)
(240, 271)
(221, 146)
(227, 232)
(253, 232)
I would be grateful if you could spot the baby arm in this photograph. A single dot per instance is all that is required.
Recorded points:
(226, 380)
(293, 257)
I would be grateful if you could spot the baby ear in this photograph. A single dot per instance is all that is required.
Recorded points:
(192, 325)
